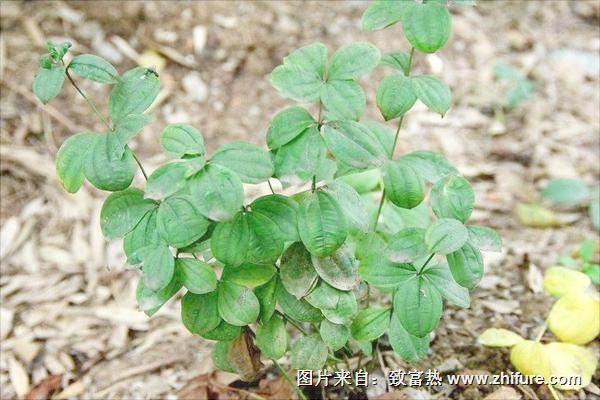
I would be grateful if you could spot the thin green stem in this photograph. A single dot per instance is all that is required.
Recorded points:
(286, 376)
(139, 163)
(270, 186)
(101, 117)
(313, 185)
(89, 102)
(426, 262)
(408, 69)
(296, 325)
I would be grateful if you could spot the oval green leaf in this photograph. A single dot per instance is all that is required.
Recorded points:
(370, 323)
(179, 222)
(251, 163)
(403, 185)
(466, 265)
(197, 276)
(445, 236)
(237, 304)
(122, 211)
(453, 197)
(272, 337)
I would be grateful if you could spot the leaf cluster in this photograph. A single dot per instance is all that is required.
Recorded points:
(251, 270)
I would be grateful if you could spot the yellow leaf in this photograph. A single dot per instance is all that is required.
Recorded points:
(575, 318)
(559, 281)
(569, 360)
(494, 337)
(529, 358)
(536, 216)
(151, 59)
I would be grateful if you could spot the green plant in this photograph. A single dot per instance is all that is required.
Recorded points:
(573, 192)
(337, 261)
(586, 259)
(517, 87)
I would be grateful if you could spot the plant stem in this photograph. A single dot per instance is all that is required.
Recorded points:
(289, 380)
(313, 185)
(104, 121)
(296, 325)
(410, 61)
(89, 102)
(270, 186)
(139, 163)
(426, 262)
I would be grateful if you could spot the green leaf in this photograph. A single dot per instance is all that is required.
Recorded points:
(150, 301)
(127, 128)
(48, 82)
(312, 57)
(381, 272)
(382, 13)
(406, 246)
(158, 268)
(197, 276)
(431, 166)
(71, 159)
(94, 68)
(181, 140)
(300, 159)
(122, 211)
(441, 278)
(249, 275)
(298, 275)
(238, 305)
(166, 180)
(223, 332)
(57, 50)
(587, 249)
(339, 269)
(593, 271)
(370, 323)
(179, 222)
(403, 185)
(363, 182)
(287, 125)
(383, 133)
(142, 238)
(309, 352)
(466, 265)
(353, 60)
(133, 93)
(352, 205)
(230, 240)
(399, 60)
(395, 96)
(452, 197)
(411, 348)
(272, 337)
(354, 145)
(105, 170)
(337, 306)
(427, 26)
(418, 305)
(434, 93)
(566, 191)
(343, 100)
(199, 312)
(300, 310)
(266, 298)
(445, 236)
(395, 218)
(334, 335)
(220, 357)
(282, 211)
(297, 83)
(321, 224)
(484, 238)
(251, 163)
(217, 191)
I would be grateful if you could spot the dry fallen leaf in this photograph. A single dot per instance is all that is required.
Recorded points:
(45, 388)
(494, 337)
(244, 356)
(18, 377)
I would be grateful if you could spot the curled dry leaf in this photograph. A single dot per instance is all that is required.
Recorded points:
(244, 356)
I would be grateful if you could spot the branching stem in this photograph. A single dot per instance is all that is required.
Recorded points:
(101, 117)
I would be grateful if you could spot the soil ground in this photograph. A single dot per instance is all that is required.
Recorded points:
(69, 322)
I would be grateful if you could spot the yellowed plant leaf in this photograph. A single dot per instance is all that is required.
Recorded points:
(536, 215)
(569, 360)
(494, 337)
(529, 358)
(559, 281)
(575, 318)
